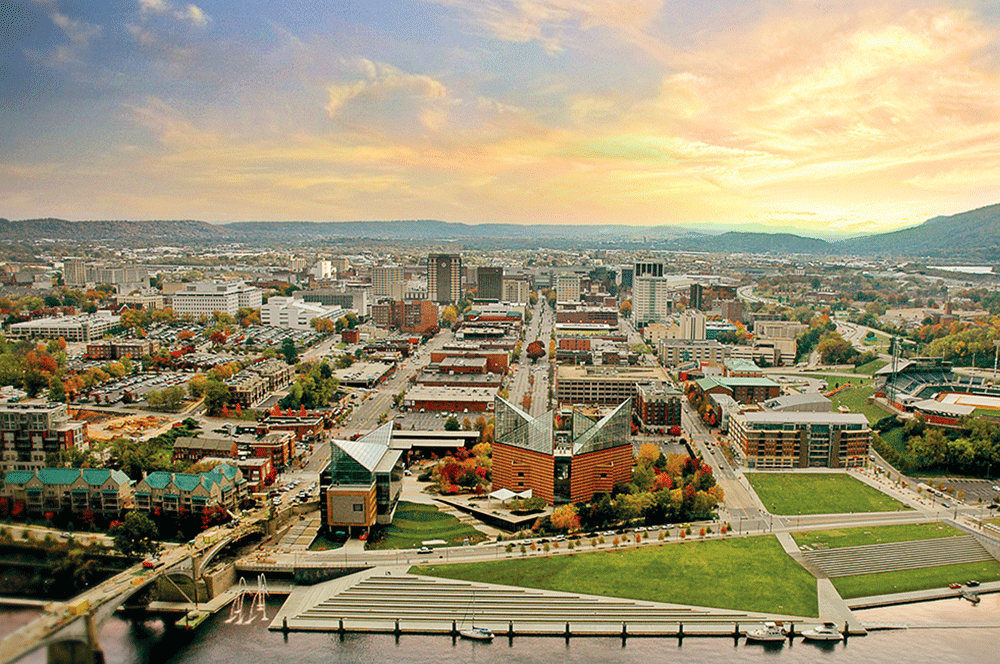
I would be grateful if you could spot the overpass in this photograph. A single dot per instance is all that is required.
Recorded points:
(69, 629)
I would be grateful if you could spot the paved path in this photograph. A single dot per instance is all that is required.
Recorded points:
(832, 608)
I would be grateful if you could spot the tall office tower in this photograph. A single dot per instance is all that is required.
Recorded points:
(567, 288)
(384, 277)
(648, 269)
(490, 281)
(651, 300)
(628, 275)
(444, 277)
(74, 272)
(697, 297)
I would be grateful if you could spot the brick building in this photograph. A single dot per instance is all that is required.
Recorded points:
(190, 449)
(415, 316)
(597, 456)
(658, 404)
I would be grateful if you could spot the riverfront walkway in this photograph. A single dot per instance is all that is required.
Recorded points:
(387, 599)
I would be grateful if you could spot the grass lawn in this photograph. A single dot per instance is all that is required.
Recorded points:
(856, 398)
(833, 382)
(915, 579)
(415, 523)
(750, 574)
(819, 493)
(869, 368)
(834, 539)
(322, 543)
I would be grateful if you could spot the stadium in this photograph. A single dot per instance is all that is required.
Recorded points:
(927, 386)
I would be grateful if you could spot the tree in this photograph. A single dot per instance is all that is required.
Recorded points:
(288, 351)
(217, 395)
(535, 350)
(449, 316)
(566, 518)
(451, 424)
(136, 536)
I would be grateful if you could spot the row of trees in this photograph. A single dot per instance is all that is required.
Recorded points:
(973, 450)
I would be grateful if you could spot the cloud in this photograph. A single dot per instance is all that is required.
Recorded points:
(80, 34)
(190, 14)
(381, 80)
(549, 22)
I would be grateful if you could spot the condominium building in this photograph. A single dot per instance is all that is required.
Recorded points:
(29, 432)
(693, 325)
(658, 404)
(384, 277)
(180, 493)
(203, 298)
(800, 439)
(444, 277)
(77, 490)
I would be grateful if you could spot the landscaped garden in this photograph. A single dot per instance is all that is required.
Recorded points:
(819, 493)
(414, 523)
(750, 574)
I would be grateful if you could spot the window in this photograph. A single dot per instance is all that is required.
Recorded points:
(358, 507)
(604, 476)
(520, 473)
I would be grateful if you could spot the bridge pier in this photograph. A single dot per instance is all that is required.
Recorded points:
(78, 652)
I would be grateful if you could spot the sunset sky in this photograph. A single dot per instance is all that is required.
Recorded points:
(821, 117)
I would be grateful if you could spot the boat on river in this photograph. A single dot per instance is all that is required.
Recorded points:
(477, 633)
(825, 632)
(771, 632)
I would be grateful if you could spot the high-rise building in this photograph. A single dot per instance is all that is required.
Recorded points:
(697, 298)
(444, 277)
(490, 281)
(206, 297)
(74, 272)
(693, 325)
(30, 432)
(384, 277)
(648, 269)
(568, 288)
(651, 300)
(628, 277)
(516, 291)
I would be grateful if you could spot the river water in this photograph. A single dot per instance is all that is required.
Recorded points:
(222, 642)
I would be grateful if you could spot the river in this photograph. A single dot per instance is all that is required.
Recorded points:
(222, 642)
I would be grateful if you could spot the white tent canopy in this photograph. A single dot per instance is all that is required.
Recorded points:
(504, 495)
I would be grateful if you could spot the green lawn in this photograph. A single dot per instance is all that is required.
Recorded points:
(750, 574)
(414, 523)
(886, 583)
(833, 382)
(834, 539)
(870, 368)
(819, 493)
(856, 398)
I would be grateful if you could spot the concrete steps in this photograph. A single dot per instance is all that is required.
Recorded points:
(895, 556)
(414, 603)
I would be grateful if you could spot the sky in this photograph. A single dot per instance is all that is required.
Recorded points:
(818, 117)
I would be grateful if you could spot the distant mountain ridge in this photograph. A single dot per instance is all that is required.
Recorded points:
(968, 236)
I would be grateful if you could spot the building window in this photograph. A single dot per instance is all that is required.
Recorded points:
(604, 476)
(520, 473)
(358, 507)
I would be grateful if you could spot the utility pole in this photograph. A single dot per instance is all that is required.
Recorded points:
(996, 355)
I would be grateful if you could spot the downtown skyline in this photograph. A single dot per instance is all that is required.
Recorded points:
(820, 118)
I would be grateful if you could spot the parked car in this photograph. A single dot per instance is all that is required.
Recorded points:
(425, 549)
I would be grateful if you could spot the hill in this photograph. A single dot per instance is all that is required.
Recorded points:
(128, 232)
(967, 236)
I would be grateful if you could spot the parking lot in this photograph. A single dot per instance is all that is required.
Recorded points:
(138, 386)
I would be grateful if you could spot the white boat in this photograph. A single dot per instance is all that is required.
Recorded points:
(769, 633)
(477, 633)
(825, 632)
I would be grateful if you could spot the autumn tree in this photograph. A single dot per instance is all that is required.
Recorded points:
(566, 518)
(535, 350)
